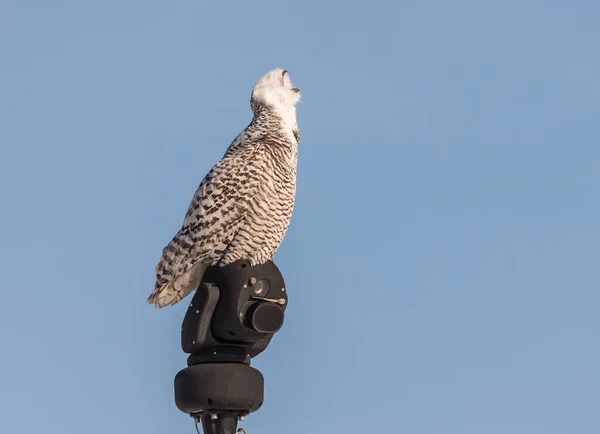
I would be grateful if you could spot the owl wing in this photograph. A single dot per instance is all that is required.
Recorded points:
(215, 214)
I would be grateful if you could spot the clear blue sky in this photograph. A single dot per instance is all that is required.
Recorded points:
(443, 261)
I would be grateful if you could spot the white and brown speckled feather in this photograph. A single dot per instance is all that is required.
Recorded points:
(243, 206)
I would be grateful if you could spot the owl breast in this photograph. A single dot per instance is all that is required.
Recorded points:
(269, 212)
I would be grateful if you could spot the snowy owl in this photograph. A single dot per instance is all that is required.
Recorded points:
(243, 206)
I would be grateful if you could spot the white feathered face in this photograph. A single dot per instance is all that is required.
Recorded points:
(275, 89)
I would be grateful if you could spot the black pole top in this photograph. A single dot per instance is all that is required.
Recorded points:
(231, 318)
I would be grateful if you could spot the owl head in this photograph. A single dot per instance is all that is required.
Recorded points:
(275, 90)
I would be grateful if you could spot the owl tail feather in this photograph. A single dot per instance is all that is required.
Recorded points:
(179, 287)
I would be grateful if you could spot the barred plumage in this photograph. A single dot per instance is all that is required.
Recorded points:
(243, 206)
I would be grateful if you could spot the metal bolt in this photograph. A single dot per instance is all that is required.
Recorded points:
(242, 418)
(214, 416)
(282, 289)
(252, 280)
(197, 311)
(275, 300)
(193, 342)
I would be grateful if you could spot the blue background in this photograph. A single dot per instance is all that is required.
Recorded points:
(443, 258)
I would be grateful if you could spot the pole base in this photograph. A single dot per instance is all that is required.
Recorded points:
(222, 424)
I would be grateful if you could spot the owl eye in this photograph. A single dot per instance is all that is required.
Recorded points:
(282, 76)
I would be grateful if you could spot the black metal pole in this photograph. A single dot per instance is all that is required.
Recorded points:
(219, 424)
